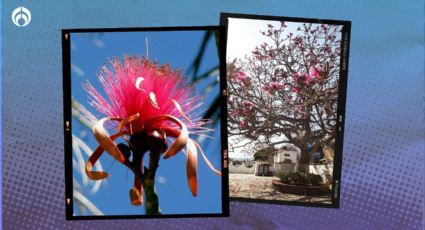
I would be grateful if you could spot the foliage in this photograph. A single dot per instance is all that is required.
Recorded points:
(266, 151)
(300, 178)
(81, 151)
(315, 179)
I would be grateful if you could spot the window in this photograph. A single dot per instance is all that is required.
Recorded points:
(263, 170)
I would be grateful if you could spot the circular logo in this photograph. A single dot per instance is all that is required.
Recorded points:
(21, 16)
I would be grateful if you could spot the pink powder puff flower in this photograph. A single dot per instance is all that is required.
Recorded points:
(148, 103)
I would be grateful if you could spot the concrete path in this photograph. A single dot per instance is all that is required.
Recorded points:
(256, 187)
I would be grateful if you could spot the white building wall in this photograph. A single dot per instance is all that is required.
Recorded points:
(282, 155)
(241, 169)
(322, 170)
(286, 168)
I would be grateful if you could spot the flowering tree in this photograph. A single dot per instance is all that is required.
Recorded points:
(287, 90)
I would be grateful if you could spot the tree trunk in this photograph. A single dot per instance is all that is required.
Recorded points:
(304, 160)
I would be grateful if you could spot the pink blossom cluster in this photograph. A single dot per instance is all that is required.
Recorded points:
(248, 104)
(241, 77)
(273, 87)
(242, 124)
(304, 79)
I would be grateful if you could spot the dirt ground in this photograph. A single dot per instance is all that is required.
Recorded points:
(257, 187)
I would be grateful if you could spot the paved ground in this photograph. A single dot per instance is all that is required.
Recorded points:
(256, 187)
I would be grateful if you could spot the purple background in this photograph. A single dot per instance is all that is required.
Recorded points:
(383, 161)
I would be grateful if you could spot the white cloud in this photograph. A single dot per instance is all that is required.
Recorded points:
(77, 70)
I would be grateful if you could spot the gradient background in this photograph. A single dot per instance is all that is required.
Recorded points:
(383, 162)
(90, 51)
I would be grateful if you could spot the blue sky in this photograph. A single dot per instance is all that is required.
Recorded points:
(89, 51)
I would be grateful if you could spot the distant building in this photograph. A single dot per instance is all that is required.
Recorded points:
(241, 165)
(286, 161)
(263, 162)
(270, 161)
(266, 162)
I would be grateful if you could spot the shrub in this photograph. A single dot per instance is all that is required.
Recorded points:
(284, 177)
(315, 179)
(248, 163)
(236, 163)
(300, 178)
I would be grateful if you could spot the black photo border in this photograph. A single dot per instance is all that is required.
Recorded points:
(341, 103)
(67, 122)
